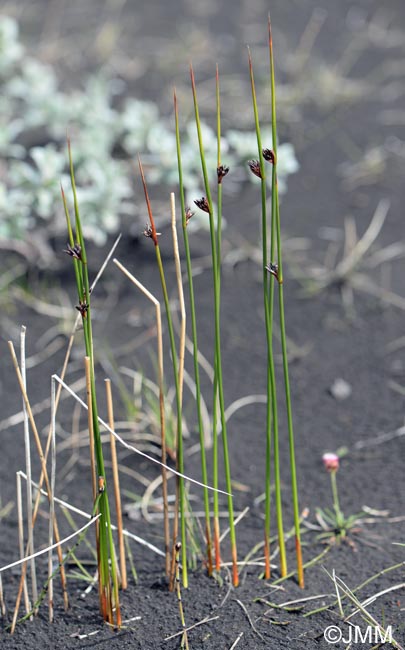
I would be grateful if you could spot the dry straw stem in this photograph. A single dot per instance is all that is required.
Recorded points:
(2, 603)
(27, 445)
(116, 481)
(44, 470)
(182, 346)
(20, 520)
(52, 500)
(159, 336)
(19, 594)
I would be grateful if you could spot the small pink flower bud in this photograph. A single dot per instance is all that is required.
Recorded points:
(331, 462)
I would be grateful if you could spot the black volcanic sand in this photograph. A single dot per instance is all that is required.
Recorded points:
(361, 346)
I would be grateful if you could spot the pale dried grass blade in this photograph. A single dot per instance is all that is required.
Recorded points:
(20, 520)
(27, 445)
(51, 500)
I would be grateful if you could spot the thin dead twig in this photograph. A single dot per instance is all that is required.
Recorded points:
(255, 630)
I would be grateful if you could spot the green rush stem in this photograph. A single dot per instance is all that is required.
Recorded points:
(272, 410)
(215, 478)
(76, 263)
(294, 487)
(215, 481)
(217, 304)
(180, 455)
(277, 480)
(219, 221)
(204, 472)
(106, 542)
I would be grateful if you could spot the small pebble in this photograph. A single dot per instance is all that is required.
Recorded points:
(340, 389)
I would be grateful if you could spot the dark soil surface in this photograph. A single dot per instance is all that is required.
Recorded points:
(344, 115)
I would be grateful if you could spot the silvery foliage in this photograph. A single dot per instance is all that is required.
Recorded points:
(34, 117)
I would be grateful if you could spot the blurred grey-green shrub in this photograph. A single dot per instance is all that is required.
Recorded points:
(34, 117)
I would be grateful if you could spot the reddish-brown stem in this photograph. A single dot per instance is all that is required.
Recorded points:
(235, 575)
(300, 566)
(217, 545)
(148, 205)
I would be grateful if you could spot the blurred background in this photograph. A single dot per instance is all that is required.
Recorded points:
(104, 71)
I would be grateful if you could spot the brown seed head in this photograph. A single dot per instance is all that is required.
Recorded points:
(148, 232)
(74, 251)
(83, 308)
(222, 171)
(188, 213)
(254, 166)
(268, 155)
(153, 234)
(272, 269)
(202, 204)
